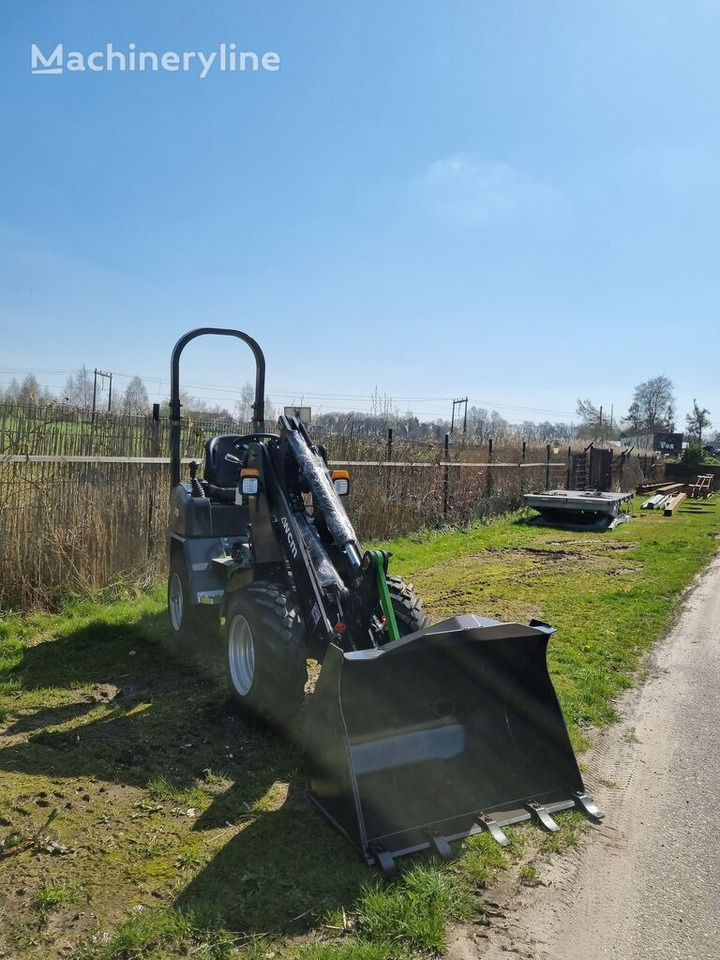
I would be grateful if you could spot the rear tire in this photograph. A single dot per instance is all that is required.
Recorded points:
(265, 655)
(408, 607)
(192, 626)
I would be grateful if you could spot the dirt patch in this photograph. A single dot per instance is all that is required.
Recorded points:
(533, 552)
(608, 546)
(502, 583)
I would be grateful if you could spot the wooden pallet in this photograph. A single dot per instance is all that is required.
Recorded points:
(702, 488)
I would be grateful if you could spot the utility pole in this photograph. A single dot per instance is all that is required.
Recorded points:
(108, 376)
(459, 403)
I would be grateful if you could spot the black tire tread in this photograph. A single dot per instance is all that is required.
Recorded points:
(408, 607)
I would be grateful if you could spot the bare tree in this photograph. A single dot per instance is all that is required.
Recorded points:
(653, 407)
(590, 419)
(30, 391)
(499, 428)
(697, 421)
(79, 389)
(269, 411)
(243, 406)
(478, 423)
(136, 401)
(10, 393)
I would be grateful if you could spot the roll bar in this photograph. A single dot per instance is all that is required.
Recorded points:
(258, 419)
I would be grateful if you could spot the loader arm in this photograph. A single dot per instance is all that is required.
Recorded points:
(336, 587)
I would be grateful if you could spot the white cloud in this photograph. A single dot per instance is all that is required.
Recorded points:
(465, 188)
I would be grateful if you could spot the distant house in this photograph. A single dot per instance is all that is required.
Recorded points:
(668, 444)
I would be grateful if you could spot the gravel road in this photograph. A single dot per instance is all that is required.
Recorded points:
(646, 884)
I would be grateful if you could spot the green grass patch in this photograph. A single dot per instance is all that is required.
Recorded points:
(189, 833)
(160, 934)
(482, 859)
(192, 797)
(529, 876)
(610, 595)
(413, 913)
(52, 896)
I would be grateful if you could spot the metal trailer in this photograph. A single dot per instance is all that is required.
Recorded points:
(590, 509)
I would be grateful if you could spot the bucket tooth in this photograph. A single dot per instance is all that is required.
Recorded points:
(540, 812)
(441, 847)
(385, 861)
(588, 807)
(494, 829)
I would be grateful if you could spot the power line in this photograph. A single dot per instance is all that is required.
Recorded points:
(338, 400)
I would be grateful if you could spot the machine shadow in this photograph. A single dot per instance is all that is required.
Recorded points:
(283, 870)
(112, 703)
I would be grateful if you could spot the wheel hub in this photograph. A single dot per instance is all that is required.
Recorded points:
(176, 602)
(241, 655)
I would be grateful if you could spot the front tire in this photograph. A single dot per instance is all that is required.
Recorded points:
(265, 655)
(407, 606)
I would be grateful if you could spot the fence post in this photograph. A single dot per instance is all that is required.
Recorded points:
(547, 468)
(446, 479)
(155, 447)
(488, 476)
(156, 430)
(389, 458)
(522, 472)
(94, 400)
(569, 466)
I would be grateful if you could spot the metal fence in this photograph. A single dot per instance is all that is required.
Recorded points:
(83, 502)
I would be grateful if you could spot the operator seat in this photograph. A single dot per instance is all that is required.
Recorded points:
(218, 471)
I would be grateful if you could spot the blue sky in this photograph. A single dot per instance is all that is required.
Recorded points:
(509, 200)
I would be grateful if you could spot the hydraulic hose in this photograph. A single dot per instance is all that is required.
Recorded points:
(328, 502)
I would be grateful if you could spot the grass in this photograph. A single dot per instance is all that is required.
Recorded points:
(529, 876)
(411, 915)
(187, 833)
(609, 595)
(53, 896)
(162, 789)
(483, 859)
(152, 935)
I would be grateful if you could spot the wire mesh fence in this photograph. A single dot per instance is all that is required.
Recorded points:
(78, 515)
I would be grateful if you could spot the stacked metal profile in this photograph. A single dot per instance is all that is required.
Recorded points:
(655, 503)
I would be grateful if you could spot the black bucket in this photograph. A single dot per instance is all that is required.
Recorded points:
(449, 731)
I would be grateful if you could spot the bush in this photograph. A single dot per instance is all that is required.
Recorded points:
(693, 454)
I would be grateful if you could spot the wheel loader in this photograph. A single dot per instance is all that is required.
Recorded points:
(416, 734)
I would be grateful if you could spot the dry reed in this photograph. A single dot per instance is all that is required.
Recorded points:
(70, 528)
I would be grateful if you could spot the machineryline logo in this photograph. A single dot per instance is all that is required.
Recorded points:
(225, 59)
